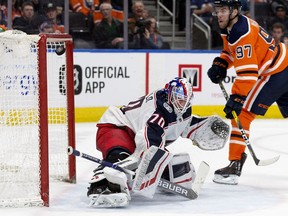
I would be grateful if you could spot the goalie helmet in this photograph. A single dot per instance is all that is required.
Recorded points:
(179, 94)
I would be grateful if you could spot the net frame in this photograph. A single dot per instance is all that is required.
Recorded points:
(43, 123)
(43, 120)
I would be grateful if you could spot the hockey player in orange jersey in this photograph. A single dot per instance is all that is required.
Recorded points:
(262, 78)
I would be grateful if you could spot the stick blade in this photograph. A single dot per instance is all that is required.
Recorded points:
(201, 175)
(268, 161)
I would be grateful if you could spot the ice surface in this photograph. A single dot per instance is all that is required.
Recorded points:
(261, 190)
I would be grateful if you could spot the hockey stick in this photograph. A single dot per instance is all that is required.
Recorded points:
(163, 183)
(257, 161)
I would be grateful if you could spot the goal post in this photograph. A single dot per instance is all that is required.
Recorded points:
(36, 116)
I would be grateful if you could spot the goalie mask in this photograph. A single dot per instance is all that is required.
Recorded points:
(179, 93)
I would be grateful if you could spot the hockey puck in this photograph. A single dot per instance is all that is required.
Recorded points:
(60, 50)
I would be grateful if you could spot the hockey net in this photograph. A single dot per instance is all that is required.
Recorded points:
(36, 116)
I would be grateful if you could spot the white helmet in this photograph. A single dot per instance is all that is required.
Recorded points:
(180, 94)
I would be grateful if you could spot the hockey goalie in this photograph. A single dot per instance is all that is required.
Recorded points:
(135, 137)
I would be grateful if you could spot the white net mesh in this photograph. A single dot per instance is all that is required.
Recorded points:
(57, 103)
(19, 118)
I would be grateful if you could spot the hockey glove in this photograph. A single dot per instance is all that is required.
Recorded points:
(218, 71)
(235, 103)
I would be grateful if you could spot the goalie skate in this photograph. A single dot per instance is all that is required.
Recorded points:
(108, 200)
(108, 188)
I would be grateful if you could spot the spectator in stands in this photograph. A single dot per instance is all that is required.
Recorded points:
(88, 8)
(204, 9)
(28, 22)
(117, 13)
(2, 18)
(46, 27)
(91, 9)
(60, 10)
(51, 17)
(36, 4)
(277, 32)
(42, 4)
(276, 3)
(16, 11)
(59, 4)
(109, 32)
(138, 12)
(119, 5)
(280, 16)
(147, 35)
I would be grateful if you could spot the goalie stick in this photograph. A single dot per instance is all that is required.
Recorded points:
(257, 161)
(190, 193)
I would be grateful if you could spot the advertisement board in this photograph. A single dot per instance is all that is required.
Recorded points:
(116, 78)
(108, 78)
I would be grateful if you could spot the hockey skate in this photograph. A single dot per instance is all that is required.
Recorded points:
(230, 174)
(103, 193)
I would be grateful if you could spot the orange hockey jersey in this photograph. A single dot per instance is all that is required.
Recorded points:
(92, 6)
(252, 52)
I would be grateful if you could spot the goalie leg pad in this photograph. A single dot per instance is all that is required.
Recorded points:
(180, 170)
(149, 172)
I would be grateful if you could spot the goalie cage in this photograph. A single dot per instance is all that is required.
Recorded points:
(36, 111)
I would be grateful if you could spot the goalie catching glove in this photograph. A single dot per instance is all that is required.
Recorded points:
(208, 133)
